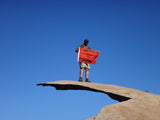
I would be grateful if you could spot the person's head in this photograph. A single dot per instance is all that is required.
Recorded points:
(86, 42)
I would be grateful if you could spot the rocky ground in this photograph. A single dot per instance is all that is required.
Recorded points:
(133, 104)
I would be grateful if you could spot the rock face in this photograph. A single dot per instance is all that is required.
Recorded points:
(133, 104)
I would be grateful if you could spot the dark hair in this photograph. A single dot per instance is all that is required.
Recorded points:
(86, 40)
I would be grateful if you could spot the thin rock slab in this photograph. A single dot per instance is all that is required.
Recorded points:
(133, 104)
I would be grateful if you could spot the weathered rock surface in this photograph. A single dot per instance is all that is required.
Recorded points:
(133, 104)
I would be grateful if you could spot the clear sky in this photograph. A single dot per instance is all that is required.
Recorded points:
(38, 39)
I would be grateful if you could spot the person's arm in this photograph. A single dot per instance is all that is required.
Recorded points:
(77, 49)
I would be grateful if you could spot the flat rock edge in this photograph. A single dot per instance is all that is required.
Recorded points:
(131, 100)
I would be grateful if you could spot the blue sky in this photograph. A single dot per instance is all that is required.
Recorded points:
(38, 41)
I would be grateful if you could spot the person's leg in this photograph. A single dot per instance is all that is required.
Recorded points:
(87, 74)
(81, 74)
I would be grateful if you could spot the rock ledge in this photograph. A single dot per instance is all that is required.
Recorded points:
(134, 104)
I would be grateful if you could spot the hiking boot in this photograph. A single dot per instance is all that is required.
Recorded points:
(80, 79)
(87, 80)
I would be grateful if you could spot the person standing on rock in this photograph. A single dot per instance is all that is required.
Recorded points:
(84, 66)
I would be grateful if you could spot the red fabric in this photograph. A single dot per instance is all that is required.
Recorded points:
(87, 55)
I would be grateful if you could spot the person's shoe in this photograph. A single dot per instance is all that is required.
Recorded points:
(87, 80)
(80, 79)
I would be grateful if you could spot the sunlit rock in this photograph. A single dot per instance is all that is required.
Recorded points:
(133, 104)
